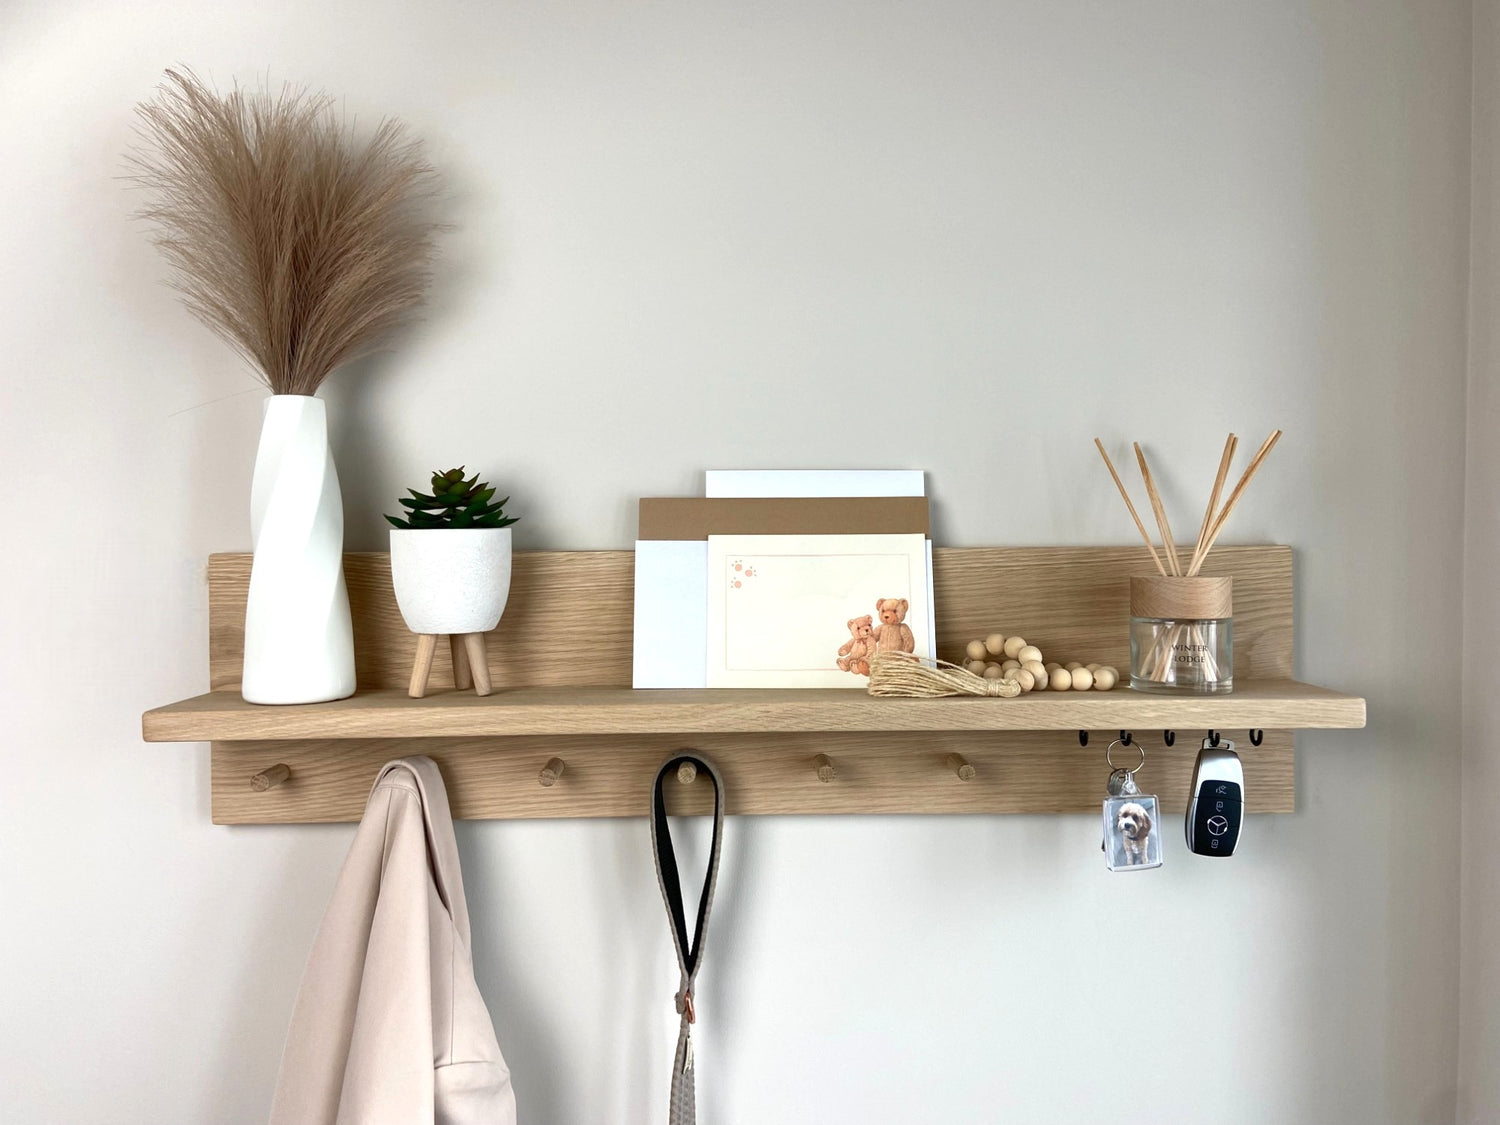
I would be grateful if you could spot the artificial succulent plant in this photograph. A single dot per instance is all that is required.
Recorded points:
(455, 502)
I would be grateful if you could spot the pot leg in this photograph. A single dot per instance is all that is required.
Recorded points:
(422, 666)
(462, 679)
(479, 662)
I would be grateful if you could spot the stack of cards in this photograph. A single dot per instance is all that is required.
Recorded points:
(782, 579)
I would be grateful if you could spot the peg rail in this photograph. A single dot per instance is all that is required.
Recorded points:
(564, 735)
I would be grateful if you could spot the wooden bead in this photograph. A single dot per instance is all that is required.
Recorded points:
(1009, 664)
(1014, 645)
(1083, 679)
(1052, 666)
(995, 643)
(1060, 680)
(1022, 677)
(1038, 672)
(1073, 667)
(1093, 667)
(975, 651)
(1029, 655)
(975, 666)
(1105, 678)
(994, 672)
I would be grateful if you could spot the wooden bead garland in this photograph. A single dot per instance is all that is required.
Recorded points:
(1023, 664)
(996, 666)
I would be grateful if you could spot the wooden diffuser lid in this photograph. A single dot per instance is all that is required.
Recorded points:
(1179, 599)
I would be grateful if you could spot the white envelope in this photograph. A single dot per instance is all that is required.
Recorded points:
(784, 609)
(813, 482)
(671, 608)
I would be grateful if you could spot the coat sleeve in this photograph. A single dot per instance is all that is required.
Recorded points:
(360, 1047)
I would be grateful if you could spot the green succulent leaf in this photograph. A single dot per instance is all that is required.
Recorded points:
(456, 501)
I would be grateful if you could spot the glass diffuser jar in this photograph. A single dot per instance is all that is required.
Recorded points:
(1181, 634)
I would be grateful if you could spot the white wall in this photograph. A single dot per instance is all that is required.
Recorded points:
(963, 236)
(1479, 1074)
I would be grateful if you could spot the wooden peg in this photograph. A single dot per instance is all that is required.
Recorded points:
(826, 772)
(463, 680)
(960, 765)
(687, 773)
(271, 777)
(421, 667)
(551, 772)
(479, 662)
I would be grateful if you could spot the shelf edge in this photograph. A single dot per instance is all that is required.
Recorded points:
(1325, 710)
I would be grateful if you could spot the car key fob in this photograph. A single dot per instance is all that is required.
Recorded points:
(1217, 808)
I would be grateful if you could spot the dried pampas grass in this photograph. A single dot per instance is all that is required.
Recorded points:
(299, 245)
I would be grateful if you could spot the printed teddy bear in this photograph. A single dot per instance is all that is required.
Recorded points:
(893, 634)
(854, 655)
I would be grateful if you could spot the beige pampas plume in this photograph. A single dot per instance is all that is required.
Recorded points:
(301, 245)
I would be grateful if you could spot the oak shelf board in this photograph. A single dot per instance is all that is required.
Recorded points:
(389, 713)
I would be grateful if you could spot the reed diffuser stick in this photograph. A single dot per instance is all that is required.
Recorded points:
(1125, 496)
(1170, 548)
(1230, 443)
(1234, 498)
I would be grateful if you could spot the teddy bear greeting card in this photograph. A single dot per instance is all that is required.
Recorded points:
(810, 610)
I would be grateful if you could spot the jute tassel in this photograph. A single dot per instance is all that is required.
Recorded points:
(902, 674)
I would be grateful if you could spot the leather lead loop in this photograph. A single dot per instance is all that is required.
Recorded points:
(689, 946)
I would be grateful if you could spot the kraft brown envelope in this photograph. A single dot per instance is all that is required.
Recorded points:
(692, 517)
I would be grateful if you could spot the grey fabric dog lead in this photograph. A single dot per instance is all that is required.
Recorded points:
(689, 949)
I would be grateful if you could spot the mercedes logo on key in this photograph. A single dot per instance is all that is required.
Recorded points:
(1217, 825)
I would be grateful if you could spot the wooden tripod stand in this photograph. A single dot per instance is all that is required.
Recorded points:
(471, 663)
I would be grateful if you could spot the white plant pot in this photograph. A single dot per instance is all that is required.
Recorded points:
(453, 579)
(299, 641)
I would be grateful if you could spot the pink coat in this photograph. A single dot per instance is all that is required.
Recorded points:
(389, 1026)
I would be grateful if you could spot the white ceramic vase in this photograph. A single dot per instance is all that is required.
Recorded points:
(452, 579)
(299, 642)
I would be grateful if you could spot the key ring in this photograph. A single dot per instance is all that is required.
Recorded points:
(1141, 750)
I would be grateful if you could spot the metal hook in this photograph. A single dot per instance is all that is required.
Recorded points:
(1083, 738)
(1125, 737)
(1257, 737)
(1169, 737)
(1213, 738)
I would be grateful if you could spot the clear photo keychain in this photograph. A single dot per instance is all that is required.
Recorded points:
(1132, 829)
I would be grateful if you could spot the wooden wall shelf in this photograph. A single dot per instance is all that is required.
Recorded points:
(569, 619)
(224, 716)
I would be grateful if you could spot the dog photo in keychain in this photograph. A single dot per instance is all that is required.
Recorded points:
(1132, 832)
